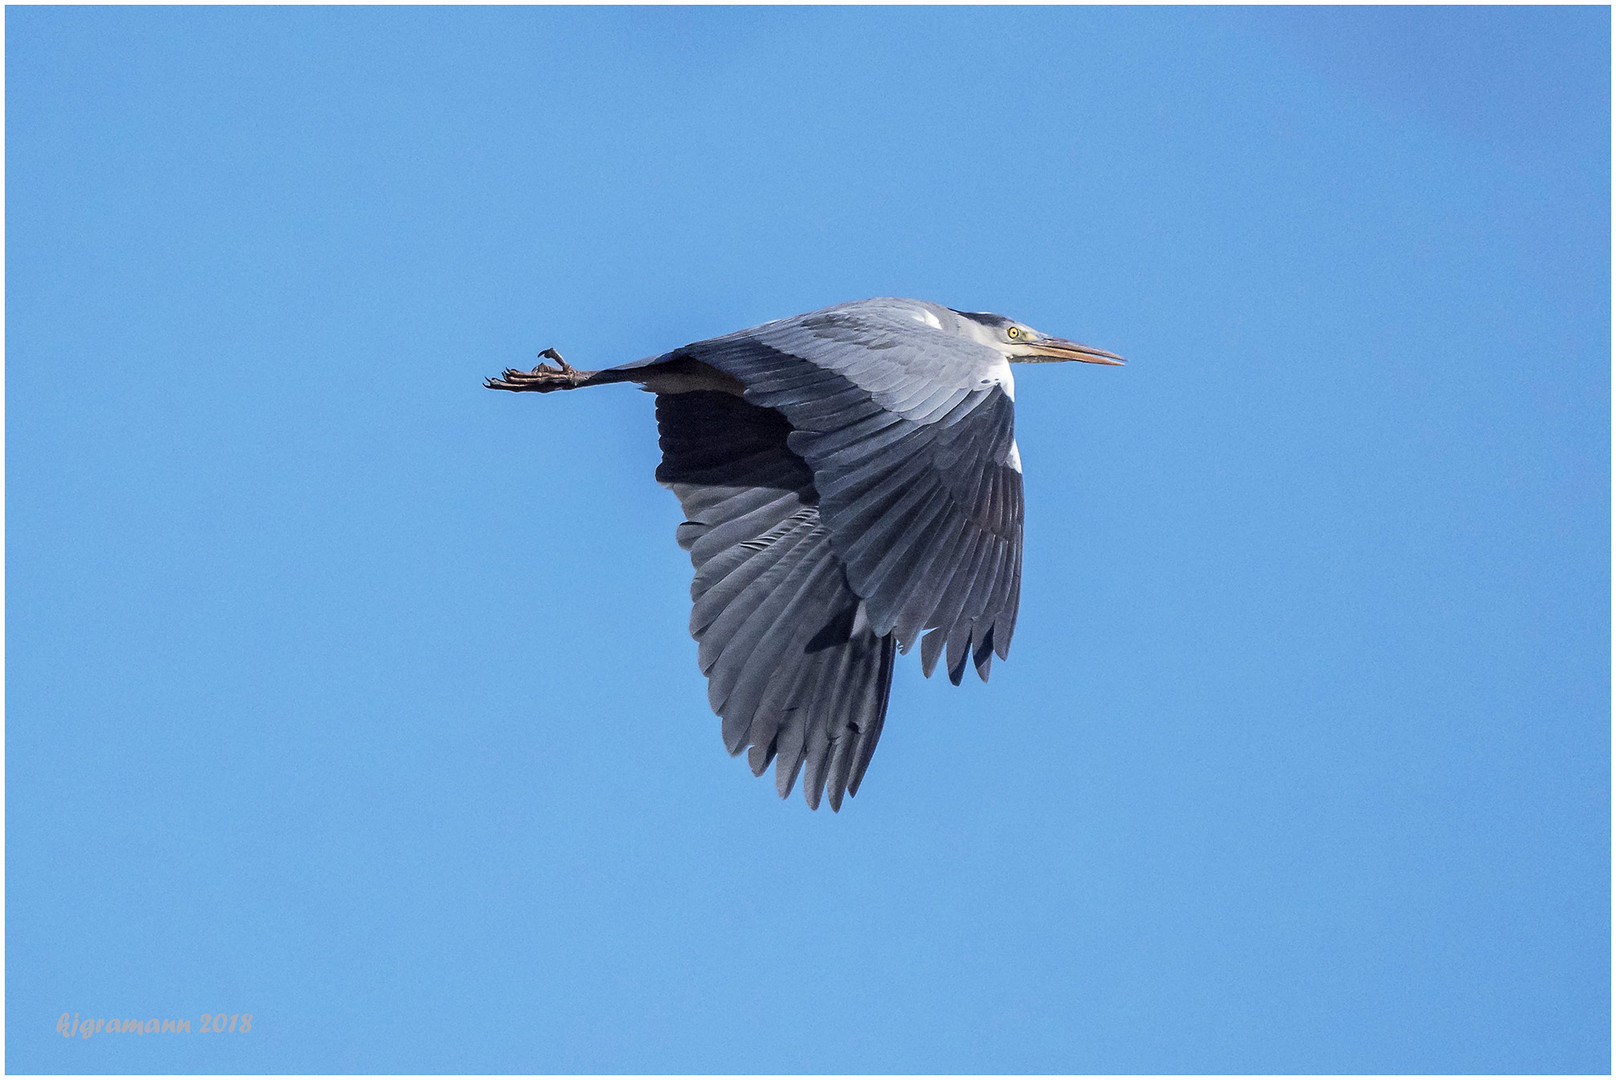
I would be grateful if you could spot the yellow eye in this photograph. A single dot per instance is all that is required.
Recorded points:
(1014, 332)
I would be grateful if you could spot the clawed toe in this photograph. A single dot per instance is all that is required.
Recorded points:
(542, 377)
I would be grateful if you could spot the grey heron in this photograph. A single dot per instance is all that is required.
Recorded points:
(850, 482)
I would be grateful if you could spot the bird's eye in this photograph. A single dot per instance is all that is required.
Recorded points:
(1014, 332)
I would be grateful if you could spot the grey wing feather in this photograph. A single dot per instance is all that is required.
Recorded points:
(908, 435)
(792, 671)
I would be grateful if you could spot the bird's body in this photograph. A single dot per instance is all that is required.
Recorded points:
(851, 484)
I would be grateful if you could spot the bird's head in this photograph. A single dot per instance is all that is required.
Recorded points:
(1021, 344)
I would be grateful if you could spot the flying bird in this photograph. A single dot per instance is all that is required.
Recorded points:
(851, 484)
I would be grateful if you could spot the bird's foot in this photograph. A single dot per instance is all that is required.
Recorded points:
(542, 378)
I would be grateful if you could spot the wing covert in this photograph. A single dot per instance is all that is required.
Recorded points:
(917, 480)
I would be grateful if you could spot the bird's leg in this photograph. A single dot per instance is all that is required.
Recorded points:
(542, 378)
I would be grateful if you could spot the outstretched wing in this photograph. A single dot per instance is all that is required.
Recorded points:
(910, 437)
(793, 668)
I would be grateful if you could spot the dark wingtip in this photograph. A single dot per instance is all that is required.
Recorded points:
(758, 758)
(931, 647)
(784, 781)
(982, 654)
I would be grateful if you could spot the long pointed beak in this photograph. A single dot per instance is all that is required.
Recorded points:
(1049, 350)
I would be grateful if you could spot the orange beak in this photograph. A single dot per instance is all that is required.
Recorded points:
(1050, 350)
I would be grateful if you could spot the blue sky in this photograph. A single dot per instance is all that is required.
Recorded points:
(347, 694)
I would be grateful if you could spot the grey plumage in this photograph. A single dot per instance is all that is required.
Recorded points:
(851, 484)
